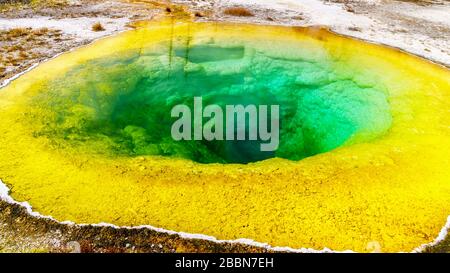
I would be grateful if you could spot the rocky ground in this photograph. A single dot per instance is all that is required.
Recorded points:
(34, 30)
(31, 34)
(419, 27)
(22, 232)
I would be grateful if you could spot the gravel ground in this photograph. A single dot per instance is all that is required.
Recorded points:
(60, 29)
(419, 27)
(21, 232)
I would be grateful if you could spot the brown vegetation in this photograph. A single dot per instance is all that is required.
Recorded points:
(17, 32)
(238, 11)
(21, 47)
(97, 27)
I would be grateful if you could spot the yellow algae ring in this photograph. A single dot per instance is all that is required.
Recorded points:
(363, 153)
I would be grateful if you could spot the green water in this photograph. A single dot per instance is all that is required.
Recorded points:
(121, 105)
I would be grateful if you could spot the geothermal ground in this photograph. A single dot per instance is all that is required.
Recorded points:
(33, 32)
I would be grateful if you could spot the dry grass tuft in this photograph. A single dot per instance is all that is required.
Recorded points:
(22, 56)
(97, 27)
(238, 11)
(14, 48)
(15, 5)
(18, 32)
(37, 4)
(198, 14)
(177, 11)
(40, 31)
(19, 47)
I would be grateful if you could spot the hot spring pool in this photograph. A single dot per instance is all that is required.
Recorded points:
(363, 142)
(125, 99)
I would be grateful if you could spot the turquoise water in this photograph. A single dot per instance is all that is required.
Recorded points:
(121, 104)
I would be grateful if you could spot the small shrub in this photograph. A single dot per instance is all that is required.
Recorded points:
(97, 27)
(238, 11)
(198, 14)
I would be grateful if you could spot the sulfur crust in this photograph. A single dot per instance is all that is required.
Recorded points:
(394, 190)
